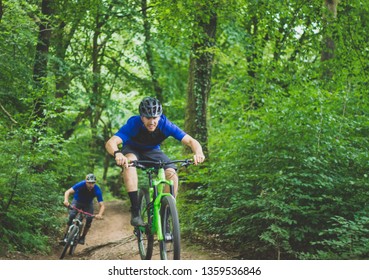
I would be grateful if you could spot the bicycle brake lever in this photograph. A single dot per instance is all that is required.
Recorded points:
(187, 163)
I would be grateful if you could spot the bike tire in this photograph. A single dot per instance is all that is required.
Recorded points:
(170, 247)
(145, 238)
(70, 238)
(73, 247)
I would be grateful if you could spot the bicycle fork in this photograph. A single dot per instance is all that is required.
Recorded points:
(76, 223)
(157, 217)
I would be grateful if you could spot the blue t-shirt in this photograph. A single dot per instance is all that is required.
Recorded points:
(83, 195)
(135, 134)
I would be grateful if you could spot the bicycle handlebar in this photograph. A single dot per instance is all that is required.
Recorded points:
(81, 211)
(144, 164)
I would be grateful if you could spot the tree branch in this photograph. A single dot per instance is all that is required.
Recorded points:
(7, 113)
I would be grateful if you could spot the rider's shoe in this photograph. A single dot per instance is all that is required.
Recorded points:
(81, 240)
(137, 221)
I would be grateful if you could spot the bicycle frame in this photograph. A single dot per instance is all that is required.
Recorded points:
(78, 220)
(158, 211)
(156, 191)
(74, 231)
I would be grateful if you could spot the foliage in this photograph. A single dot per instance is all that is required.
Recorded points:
(286, 176)
(289, 151)
(344, 239)
(274, 194)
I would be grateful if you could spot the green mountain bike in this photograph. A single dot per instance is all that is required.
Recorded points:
(159, 212)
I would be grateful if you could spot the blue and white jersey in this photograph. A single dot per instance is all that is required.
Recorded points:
(135, 134)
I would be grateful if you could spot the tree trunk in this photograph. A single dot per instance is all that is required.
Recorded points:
(96, 97)
(43, 43)
(328, 44)
(199, 84)
(1, 9)
(42, 52)
(62, 40)
(41, 60)
(148, 52)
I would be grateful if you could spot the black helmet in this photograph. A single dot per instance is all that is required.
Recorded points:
(91, 178)
(150, 108)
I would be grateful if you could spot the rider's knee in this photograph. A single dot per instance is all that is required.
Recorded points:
(170, 173)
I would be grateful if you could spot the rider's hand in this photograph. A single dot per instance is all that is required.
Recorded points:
(99, 217)
(121, 160)
(66, 203)
(198, 158)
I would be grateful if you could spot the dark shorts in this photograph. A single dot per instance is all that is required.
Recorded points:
(155, 155)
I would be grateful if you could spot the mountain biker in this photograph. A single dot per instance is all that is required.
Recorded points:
(84, 192)
(141, 137)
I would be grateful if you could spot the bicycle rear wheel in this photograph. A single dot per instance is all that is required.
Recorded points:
(170, 247)
(145, 238)
(70, 238)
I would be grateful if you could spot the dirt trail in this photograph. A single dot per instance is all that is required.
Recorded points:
(112, 239)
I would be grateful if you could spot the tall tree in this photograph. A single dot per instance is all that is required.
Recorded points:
(41, 61)
(1, 9)
(199, 80)
(328, 48)
(149, 52)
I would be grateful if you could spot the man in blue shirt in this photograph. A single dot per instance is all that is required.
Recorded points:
(84, 193)
(141, 137)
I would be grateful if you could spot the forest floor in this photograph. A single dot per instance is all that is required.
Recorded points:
(112, 239)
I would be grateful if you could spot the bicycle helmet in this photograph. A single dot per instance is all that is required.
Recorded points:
(150, 108)
(90, 178)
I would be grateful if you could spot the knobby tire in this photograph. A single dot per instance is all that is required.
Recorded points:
(170, 248)
(70, 238)
(73, 247)
(145, 238)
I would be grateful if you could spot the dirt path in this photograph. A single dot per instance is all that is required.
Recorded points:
(112, 239)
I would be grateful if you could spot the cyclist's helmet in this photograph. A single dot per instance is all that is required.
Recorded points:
(150, 107)
(91, 178)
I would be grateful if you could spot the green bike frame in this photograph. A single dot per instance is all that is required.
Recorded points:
(159, 182)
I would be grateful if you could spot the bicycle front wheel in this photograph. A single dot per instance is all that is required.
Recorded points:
(70, 238)
(170, 247)
(145, 238)
(73, 246)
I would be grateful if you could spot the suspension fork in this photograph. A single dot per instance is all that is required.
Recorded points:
(157, 216)
(160, 182)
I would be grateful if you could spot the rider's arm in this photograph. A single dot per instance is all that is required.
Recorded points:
(101, 210)
(112, 146)
(66, 196)
(195, 147)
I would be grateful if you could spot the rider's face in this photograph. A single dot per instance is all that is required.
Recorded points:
(150, 123)
(90, 185)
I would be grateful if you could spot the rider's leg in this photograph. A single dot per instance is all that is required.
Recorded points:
(89, 209)
(171, 174)
(87, 227)
(72, 215)
(130, 179)
(85, 230)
